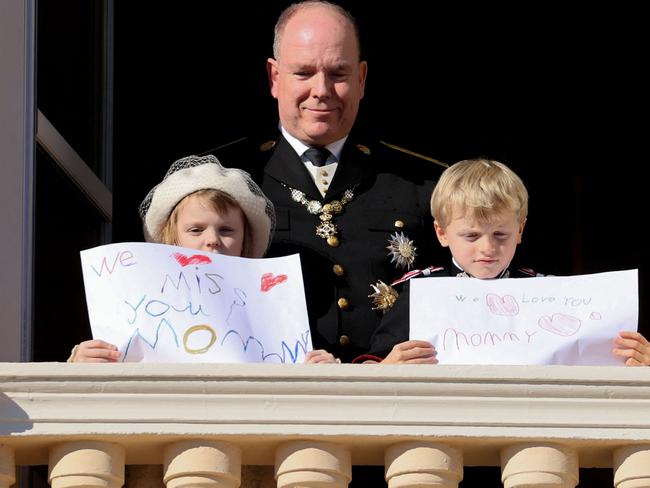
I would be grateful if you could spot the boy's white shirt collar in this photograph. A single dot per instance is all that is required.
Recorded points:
(501, 275)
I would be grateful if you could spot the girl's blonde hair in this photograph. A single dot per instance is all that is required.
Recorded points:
(481, 189)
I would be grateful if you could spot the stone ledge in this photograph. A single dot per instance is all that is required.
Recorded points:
(476, 409)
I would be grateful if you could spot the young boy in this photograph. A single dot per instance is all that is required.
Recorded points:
(201, 205)
(479, 209)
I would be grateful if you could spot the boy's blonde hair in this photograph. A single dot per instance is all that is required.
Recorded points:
(481, 189)
(220, 202)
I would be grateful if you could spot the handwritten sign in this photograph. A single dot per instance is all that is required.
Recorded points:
(160, 303)
(546, 320)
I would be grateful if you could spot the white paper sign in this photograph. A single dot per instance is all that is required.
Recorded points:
(546, 320)
(160, 303)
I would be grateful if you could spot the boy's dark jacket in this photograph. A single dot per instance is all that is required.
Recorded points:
(394, 327)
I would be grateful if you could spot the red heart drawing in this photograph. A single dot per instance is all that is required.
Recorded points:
(506, 305)
(560, 324)
(194, 259)
(269, 281)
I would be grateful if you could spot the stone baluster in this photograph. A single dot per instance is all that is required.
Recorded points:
(7, 467)
(539, 465)
(84, 464)
(202, 463)
(416, 464)
(632, 467)
(309, 464)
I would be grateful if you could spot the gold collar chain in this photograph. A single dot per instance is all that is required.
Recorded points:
(326, 228)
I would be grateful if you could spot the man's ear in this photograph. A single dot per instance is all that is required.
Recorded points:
(441, 234)
(273, 74)
(363, 73)
(521, 231)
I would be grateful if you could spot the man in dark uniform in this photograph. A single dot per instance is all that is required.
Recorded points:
(354, 210)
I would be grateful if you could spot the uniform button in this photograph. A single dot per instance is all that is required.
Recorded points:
(343, 303)
(399, 224)
(344, 341)
(333, 241)
(338, 270)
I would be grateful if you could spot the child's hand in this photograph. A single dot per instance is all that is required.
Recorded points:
(412, 352)
(320, 356)
(634, 347)
(94, 351)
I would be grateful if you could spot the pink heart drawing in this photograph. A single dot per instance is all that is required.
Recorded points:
(506, 305)
(269, 281)
(184, 260)
(560, 324)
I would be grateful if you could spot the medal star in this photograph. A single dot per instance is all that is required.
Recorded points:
(402, 250)
(384, 296)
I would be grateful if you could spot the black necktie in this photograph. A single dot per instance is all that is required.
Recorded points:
(317, 155)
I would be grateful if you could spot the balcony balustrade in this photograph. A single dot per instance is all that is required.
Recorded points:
(217, 425)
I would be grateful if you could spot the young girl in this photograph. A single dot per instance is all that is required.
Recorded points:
(201, 205)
